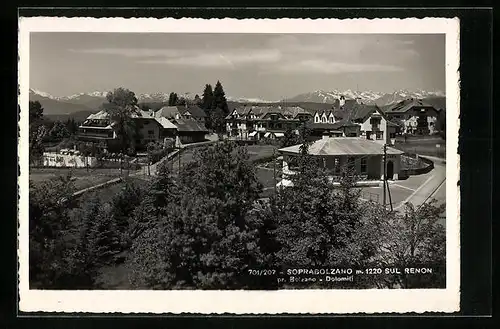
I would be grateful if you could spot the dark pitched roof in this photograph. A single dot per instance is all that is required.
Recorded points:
(261, 111)
(407, 104)
(168, 112)
(189, 125)
(439, 103)
(339, 114)
(361, 111)
(241, 110)
(195, 111)
(349, 104)
(293, 111)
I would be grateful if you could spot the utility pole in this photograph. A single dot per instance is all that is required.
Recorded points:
(385, 174)
(179, 157)
(274, 170)
(390, 197)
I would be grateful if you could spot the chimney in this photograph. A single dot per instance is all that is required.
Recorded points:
(342, 101)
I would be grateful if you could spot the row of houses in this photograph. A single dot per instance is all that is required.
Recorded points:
(350, 119)
(184, 124)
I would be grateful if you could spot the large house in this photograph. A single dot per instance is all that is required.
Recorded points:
(363, 156)
(152, 126)
(264, 121)
(375, 124)
(186, 112)
(353, 119)
(416, 116)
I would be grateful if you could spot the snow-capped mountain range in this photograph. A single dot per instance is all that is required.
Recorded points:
(93, 100)
(247, 100)
(367, 97)
(98, 94)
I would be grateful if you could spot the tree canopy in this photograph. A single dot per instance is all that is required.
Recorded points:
(35, 111)
(121, 97)
(122, 103)
(219, 100)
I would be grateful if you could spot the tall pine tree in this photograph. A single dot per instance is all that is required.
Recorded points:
(208, 98)
(173, 99)
(220, 100)
(206, 104)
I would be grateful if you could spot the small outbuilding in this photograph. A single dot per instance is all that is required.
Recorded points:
(363, 156)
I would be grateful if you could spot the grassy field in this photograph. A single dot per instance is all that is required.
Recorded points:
(423, 146)
(83, 178)
(258, 152)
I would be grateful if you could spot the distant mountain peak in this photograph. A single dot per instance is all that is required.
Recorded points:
(365, 96)
(34, 91)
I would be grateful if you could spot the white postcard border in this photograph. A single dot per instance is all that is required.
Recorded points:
(249, 302)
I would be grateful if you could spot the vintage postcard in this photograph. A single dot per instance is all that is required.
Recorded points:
(256, 166)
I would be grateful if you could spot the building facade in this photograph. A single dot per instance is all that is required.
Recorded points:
(364, 157)
(255, 122)
(416, 116)
(375, 125)
(150, 126)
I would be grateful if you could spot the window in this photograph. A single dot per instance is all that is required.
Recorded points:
(351, 163)
(323, 119)
(321, 162)
(293, 163)
(392, 135)
(379, 134)
(336, 165)
(363, 166)
(368, 135)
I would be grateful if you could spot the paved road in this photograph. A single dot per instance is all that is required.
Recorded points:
(429, 187)
(416, 189)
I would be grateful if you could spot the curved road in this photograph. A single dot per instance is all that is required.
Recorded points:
(424, 192)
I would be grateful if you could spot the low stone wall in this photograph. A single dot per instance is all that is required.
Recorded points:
(405, 173)
(98, 186)
(197, 144)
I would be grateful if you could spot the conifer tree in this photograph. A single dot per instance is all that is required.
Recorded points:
(207, 98)
(220, 100)
(201, 237)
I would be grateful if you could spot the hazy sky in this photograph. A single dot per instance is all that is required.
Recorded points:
(266, 66)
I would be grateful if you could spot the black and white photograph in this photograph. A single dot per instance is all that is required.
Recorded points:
(239, 158)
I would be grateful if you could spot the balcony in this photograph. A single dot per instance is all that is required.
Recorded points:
(88, 133)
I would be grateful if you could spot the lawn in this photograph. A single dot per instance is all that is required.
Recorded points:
(260, 152)
(423, 147)
(83, 178)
